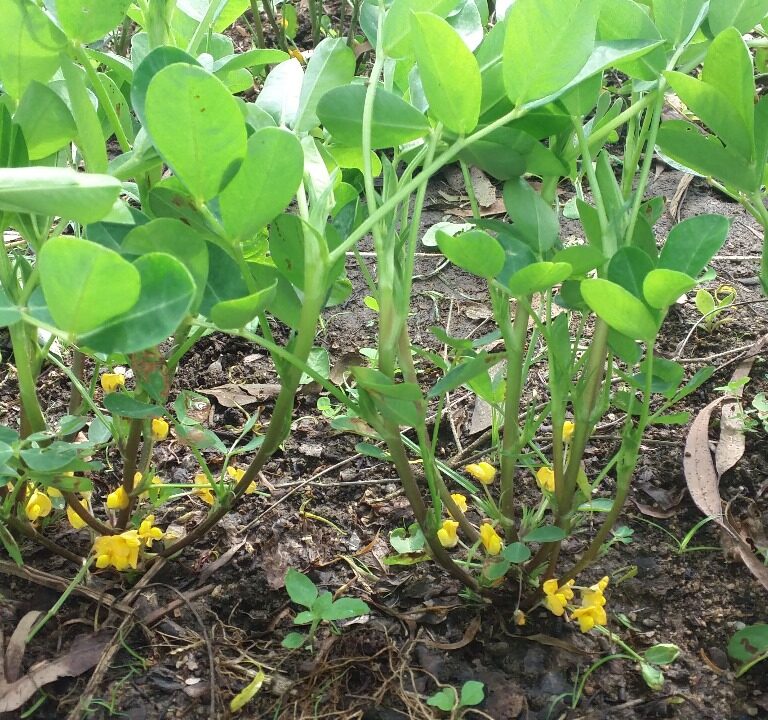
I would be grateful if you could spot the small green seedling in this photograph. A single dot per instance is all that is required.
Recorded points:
(713, 306)
(451, 701)
(320, 608)
(749, 646)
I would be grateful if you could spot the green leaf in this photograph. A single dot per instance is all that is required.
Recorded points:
(741, 14)
(55, 456)
(538, 277)
(84, 284)
(662, 654)
(628, 268)
(581, 258)
(293, 640)
(545, 534)
(676, 19)
(653, 677)
(176, 238)
(300, 588)
(474, 251)
(247, 694)
(45, 121)
(90, 139)
(547, 43)
(749, 643)
(692, 243)
(121, 403)
(332, 65)
(11, 546)
(394, 121)
(281, 92)
(264, 185)
(472, 693)
(204, 150)
(237, 313)
(256, 58)
(407, 541)
(83, 197)
(397, 38)
(535, 222)
(445, 61)
(661, 288)
(167, 291)
(86, 21)
(304, 618)
(345, 608)
(30, 48)
(619, 308)
(516, 553)
(9, 313)
(444, 699)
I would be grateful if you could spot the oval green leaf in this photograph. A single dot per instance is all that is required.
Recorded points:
(86, 21)
(661, 288)
(206, 147)
(85, 284)
(237, 313)
(538, 277)
(446, 64)
(619, 308)
(474, 251)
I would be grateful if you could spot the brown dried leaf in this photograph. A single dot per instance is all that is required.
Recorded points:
(83, 654)
(732, 443)
(234, 394)
(495, 208)
(17, 644)
(485, 192)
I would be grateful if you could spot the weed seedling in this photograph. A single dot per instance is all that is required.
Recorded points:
(320, 608)
(713, 306)
(449, 700)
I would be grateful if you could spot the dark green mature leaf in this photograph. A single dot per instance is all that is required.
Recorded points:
(167, 291)
(237, 313)
(9, 313)
(30, 48)
(84, 197)
(619, 308)
(545, 534)
(547, 43)
(445, 61)
(628, 268)
(692, 243)
(394, 123)
(84, 284)
(205, 149)
(535, 222)
(86, 21)
(124, 404)
(265, 183)
(516, 553)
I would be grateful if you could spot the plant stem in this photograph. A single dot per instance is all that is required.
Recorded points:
(257, 24)
(92, 522)
(32, 419)
(129, 469)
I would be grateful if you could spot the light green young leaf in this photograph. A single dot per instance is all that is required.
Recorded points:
(692, 243)
(45, 121)
(293, 640)
(662, 287)
(86, 21)
(471, 693)
(300, 588)
(264, 185)
(204, 149)
(444, 699)
(237, 313)
(281, 92)
(535, 222)
(474, 251)
(619, 308)
(397, 38)
(84, 284)
(90, 138)
(741, 14)
(84, 197)
(547, 42)
(538, 277)
(446, 63)
(345, 608)
(332, 65)
(30, 48)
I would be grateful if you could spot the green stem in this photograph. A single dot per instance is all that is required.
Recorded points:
(257, 24)
(129, 469)
(32, 419)
(104, 100)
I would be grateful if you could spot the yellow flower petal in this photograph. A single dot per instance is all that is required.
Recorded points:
(74, 519)
(204, 493)
(39, 505)
(235, 473)
(490, 539)
(111, 382)
(159, 429)
(568, 429)
(546, 478)
(118, 499)
(482, 472)
(460, 500)
(447, 534)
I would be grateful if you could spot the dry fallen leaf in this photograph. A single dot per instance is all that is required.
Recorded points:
(17, 645)
(234, 394)
(732, 443)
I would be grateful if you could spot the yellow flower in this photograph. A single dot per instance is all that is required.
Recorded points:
(118, 500)
(204, 493)
(594, 594)
(490, 539)
(546, 478)
(152, 492)
(482, 472)
(110, 382)
(237, 475)
(121, 551)
(148, 533)
(39, 505)
(53, 492)
(461, 502)
(557, 597)
(520, 618)
(447, 534)
(568, 428)
(590, 616)
(159, 429)
(74, 519)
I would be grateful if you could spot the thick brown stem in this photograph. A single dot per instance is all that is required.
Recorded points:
(86, 517)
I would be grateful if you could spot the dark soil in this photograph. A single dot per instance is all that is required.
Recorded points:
(328, 511)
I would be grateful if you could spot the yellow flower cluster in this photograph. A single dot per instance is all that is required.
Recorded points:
(122, 551)
(592, 610)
